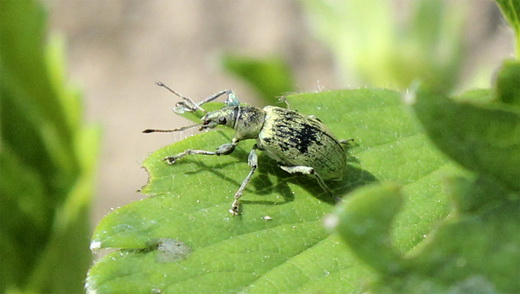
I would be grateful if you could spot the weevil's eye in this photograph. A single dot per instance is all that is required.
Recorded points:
(222, 120)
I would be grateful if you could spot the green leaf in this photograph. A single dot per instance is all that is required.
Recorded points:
(46, 177)
(476, 248)
(473, 260)
(474, 251)
(477, 96)
(372, 48)
(484, 138)
(24, 208)
(182, 239)
(365, 221)
(511, 11)
(508, 83)
(270, 77)
(25, 77)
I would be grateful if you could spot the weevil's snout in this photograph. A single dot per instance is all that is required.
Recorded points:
(225, 116)
(207, 124)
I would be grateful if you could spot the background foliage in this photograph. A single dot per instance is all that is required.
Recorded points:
(47, 159)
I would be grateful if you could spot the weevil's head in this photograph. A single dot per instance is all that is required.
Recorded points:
(247, 121)
(225, 116)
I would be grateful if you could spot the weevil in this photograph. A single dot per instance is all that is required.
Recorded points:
(298, 143)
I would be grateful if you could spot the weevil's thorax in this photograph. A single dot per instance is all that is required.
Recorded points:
(247, 121)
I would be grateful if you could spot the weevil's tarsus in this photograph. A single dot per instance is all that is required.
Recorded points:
(231, 99)
(182, 107)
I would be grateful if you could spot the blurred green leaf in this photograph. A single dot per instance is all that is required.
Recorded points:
(508, 83)
(372, 48)
(483, 138)
(511, 12)
(46, 179)
(365, 222)
(476, 96)
(270, 77)
(24, 208)
(291, 252)
(359, 33)
(473, 251)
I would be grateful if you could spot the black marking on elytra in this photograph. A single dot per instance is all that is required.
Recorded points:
(300, 136)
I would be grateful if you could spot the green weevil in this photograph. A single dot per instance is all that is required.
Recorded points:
(298, 143)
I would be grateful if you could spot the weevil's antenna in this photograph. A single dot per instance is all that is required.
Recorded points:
(190, 103)
(147, 131)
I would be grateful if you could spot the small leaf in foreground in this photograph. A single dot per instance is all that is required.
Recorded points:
(484, 138)
(508, 83)
(364, 221)
(472, 251)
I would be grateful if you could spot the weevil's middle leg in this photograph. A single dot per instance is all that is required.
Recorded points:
(252, 161)
(224, 149)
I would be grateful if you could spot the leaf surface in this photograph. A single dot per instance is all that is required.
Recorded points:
(279, 243)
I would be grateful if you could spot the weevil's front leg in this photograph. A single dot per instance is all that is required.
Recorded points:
(189, 105)
(224, 149)
(307, 170)
(252, 161)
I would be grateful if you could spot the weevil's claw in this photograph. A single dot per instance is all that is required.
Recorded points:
(170, 160)
(234, 208)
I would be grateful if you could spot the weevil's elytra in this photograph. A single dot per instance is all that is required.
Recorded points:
(293, 139)
(299, 143)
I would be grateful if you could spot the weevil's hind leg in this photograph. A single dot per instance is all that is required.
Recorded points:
(224, 149)
(252, 161)
(307, 170)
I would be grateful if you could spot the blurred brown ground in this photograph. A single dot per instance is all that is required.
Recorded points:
(117, 49)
